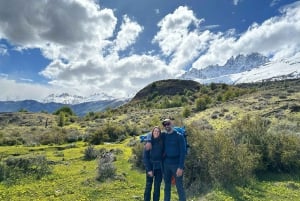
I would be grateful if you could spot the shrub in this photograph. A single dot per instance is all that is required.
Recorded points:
(283, 153)
(90, 153)
(3, 171)
(215, 159)
(201, 104)
(252, 131)
(186, 112)
(106, 168)
(137, 156)
(28, 165)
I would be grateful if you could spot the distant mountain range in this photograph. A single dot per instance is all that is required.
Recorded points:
(246, 69)
(80, 109)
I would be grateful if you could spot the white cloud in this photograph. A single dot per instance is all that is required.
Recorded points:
(128, 33)
(3, 50)
(174, 28)
(12, 90)
(274, 2)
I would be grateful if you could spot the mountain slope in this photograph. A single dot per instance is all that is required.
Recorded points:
(252, 68)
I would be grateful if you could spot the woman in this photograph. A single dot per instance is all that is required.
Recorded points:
(153, 163)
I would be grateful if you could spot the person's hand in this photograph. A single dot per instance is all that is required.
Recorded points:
(179, 172)
(150, 174)
(148, 146)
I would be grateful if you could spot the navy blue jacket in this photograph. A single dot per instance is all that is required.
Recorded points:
(153, 158)
(174, 149)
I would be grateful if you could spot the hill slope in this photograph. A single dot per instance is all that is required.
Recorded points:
(167, 87)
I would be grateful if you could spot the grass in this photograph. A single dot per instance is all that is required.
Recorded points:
(74, 179)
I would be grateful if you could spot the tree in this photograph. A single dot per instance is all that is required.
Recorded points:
(65, 109)
(61, 119)
(186, 112)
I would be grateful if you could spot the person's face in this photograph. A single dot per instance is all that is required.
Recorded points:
(156, 132)
(168, 126)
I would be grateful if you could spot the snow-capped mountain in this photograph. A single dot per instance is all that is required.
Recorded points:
(69, 99)
(63, 98)
(233, 65)
(246, 69)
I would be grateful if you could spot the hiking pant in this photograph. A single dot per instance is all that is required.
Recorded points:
(169, 171)
(157, 177)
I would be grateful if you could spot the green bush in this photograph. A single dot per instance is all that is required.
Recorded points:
(3, 171)
(90, 153)
(252, 131)
(15, 167)
(108, 133)
(186, 112)
(201, 104)
(137, 156)
(106, 168)
(215, 159)
(283, 150)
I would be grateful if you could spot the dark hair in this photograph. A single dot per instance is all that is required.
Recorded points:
(159, 137)
(155, 128)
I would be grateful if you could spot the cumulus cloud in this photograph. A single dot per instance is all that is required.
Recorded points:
(174, 28)
(82, 41)
(128, 33)
(3, 50)
(12, 90)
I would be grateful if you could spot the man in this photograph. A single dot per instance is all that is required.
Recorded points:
(173, 164)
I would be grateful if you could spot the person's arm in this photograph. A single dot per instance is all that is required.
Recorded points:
(146, 159)
(148, 141)
(181, 152)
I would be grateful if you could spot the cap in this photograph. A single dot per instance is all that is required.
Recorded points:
(166, 121)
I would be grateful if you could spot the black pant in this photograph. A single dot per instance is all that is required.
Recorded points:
(157, 182)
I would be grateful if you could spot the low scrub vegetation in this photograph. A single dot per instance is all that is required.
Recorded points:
(237, 155)
(14, 168)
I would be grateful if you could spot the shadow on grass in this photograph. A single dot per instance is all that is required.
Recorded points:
(256, 189)
(278, 177)
(247, 192)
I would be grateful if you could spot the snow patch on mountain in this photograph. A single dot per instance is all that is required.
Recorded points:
(247, 69)
(233, 65)
(69, 99)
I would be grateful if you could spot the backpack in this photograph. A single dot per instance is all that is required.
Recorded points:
(182, 131)
(145, 137)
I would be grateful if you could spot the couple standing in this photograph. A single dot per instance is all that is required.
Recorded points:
(164, 156)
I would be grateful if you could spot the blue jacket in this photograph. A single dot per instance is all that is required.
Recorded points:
(153, 158)
(174, 149)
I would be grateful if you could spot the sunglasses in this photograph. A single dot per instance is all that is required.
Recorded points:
(166, 124)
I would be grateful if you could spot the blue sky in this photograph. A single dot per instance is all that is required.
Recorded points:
(119, 46)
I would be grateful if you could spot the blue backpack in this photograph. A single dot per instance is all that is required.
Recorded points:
(146, 137)
(182, 131)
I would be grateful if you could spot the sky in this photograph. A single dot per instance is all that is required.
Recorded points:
(118, 47)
